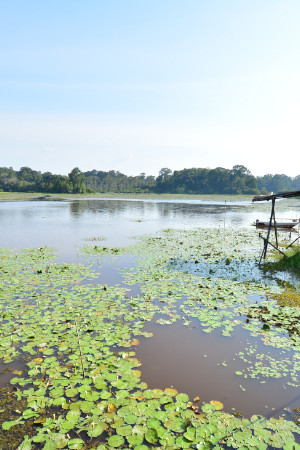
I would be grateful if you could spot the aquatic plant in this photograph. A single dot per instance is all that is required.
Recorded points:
(69, 347)
(289, 262)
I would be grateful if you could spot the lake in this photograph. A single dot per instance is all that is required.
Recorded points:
(185, 357)
(64, 224)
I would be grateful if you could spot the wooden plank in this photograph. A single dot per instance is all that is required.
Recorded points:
(261, 198)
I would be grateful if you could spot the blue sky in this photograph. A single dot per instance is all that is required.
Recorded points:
(136, 86)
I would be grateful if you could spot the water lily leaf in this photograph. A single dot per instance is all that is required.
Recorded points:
(105, 394)
(74, 405)
(95, 431)
(100, 383)
(59, 440)
(190, 434)
(49, 445)
(151, 436)
(92, 396)
(40, 437)
(28, 413)
(181, 442)
(217, 405)
(291, 446)
(49, 351)
(8, 424)
(135, 439)
(165, 399)
(141, 447)
(71, 392)
(122, 393)
(160, 415)
(26, 444)
(75, 444)
(131, 419)
(153, 393)
(182, 398)
(153, 423)
(111, 408)
(175, 424)
(86, 406)
(38, 360)
(125, 430)
(207, 407)
(124, 411)
(116, 441)
(168, 443)
(73, 415)
(170, 392)
(58, 401)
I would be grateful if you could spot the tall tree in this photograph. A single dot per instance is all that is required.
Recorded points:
(77, 179)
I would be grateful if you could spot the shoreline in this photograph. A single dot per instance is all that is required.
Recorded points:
(23, 196)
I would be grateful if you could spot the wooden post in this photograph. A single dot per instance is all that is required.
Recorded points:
(293, 242)
(275, 225)
(269, 230)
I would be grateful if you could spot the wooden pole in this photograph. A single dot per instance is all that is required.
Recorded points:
(275, 225)
(293, 242)
(266, 241)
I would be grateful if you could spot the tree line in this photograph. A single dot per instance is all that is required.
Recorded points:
(237, 180)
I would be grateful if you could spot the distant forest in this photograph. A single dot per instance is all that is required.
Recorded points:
(238, 180)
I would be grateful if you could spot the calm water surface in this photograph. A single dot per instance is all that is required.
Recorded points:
(175, 354)
(64, 224)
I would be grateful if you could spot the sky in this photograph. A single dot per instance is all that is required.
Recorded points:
(140, 85)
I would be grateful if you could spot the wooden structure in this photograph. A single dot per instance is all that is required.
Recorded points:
(272, 221)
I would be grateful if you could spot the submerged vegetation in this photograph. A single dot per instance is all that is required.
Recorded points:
(68, 348)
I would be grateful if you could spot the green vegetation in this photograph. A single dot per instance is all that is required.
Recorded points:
(290, 262)
(278, 183)
(293, 262)
(69, 346)
(15, 196)
(28, 180)
(193, 181)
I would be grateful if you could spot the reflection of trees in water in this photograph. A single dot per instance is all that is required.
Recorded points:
(141, 209)
(107, 207)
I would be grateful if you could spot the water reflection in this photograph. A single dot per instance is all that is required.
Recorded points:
(142, 209)
(64, 224)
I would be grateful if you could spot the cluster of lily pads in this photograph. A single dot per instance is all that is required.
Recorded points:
(166, 272)
(69, 347)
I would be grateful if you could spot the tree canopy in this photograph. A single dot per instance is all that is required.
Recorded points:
(238, 180)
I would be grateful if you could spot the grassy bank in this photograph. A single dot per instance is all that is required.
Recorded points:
(14, 196)
(290, 262)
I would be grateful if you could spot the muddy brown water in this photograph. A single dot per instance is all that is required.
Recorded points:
(183, 357)
(191, 361)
